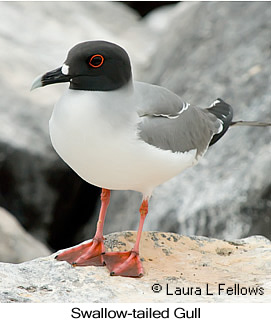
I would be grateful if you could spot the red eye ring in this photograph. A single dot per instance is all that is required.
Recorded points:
(91, 63)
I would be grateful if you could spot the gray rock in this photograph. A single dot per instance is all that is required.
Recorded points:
(16, 245)
(209, 50)
(177, 263)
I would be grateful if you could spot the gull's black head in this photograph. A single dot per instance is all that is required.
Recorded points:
(91, 66)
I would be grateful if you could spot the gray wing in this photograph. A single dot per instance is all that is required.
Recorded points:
(169, 123)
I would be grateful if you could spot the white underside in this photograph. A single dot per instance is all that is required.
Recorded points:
(100, 143)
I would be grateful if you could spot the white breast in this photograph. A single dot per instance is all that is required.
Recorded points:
(95, 133)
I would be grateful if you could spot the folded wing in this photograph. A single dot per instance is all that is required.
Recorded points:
(169, 123)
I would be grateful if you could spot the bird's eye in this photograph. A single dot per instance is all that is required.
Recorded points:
(96, 61)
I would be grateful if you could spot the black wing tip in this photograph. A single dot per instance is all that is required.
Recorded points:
(224, 112)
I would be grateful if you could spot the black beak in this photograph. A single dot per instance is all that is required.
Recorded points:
(55, 76)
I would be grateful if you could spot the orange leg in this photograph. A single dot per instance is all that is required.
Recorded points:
(128, 263)
(90, 253)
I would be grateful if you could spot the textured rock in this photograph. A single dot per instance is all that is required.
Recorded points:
(174, 262)
(16, 245)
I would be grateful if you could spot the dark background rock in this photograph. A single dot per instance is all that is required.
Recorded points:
(200, 51)
(145, 7)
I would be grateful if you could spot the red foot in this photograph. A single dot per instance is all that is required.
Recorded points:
(89, 254)
(123, 264)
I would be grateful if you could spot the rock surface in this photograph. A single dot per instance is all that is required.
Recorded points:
(173, 264)
(16, 245)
